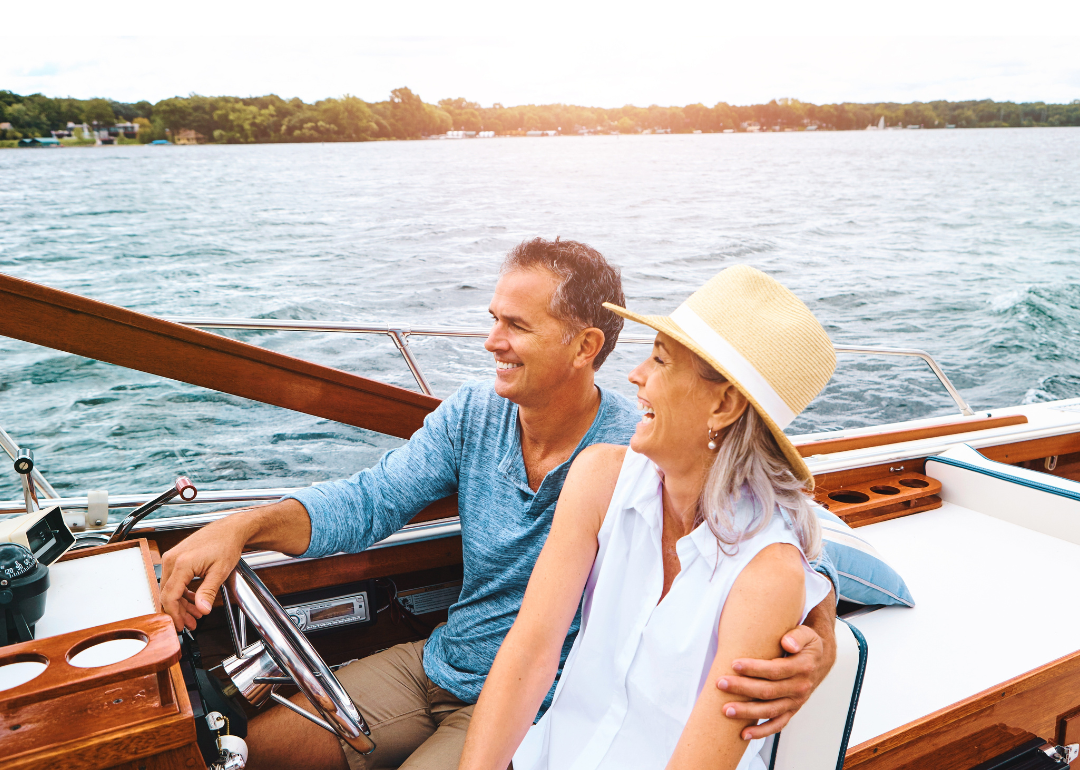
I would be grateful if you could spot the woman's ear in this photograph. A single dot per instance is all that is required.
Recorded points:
(589, 343)
(729, 406)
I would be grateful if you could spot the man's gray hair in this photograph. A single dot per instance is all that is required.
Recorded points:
(586, 282)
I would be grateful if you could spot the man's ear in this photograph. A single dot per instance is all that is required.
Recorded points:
(729, 406)
(589, 343)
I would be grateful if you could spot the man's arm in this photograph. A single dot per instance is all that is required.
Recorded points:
(780, 687)
(213, 552)
(326, 518)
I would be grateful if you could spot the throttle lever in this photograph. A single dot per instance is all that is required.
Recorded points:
(24, 466)
(182, 488)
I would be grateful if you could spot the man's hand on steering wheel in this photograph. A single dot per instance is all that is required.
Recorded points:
(782, 686)
(210, 555)
(213, 552)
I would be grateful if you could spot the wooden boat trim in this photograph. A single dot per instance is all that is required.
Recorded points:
(62, 321)
(830, 446)
(1023, 443)
(285, 577)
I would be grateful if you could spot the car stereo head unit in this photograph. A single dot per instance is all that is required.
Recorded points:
(326, 609)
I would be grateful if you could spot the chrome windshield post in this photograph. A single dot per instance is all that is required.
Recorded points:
(945, 381)
(12, 449)
(401, 340)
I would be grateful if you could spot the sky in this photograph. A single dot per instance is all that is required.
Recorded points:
(602, 54)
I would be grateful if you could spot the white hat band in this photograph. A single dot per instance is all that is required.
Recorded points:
(734, 364)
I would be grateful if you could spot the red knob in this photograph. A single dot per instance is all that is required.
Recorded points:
(186, 489)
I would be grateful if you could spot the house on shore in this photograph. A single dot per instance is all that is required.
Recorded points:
(189, 136)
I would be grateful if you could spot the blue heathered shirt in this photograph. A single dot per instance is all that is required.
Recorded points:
(470, 445)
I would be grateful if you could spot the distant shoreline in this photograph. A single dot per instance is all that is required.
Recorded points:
(270, 119)
(13, 144)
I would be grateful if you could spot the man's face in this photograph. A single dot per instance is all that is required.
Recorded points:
(531, 359)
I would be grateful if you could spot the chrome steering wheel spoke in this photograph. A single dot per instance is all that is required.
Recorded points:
(286, 656)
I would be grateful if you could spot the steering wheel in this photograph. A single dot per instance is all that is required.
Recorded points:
(289, 651)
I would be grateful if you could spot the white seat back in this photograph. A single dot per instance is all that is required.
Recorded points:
(1027, 498)
(816, 738)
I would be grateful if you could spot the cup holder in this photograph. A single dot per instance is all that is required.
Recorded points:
(20, 669)
(884, 490)
(848, 496)
(914, 483)
(108, 649)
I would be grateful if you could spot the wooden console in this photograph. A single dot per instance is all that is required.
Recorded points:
(134, 713)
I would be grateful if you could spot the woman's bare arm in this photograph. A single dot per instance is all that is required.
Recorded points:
(528, 660)
(765, 602)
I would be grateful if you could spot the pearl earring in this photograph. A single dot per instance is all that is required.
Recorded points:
(712, 439)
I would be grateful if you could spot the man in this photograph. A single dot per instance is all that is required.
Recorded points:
(505, 449)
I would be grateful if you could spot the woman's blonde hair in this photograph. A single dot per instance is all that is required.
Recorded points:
(749, 461)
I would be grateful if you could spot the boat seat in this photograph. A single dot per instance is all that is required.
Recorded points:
(816, 738)
(1038, 501)
(1004, 544)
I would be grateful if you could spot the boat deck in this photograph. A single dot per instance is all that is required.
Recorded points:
(980, 585)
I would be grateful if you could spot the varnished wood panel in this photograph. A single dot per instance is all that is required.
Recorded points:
(1067, 466)
(306, 575)
(1035, 449)
(886, 496)
(894, 511)
(85, 327)
(184, 758)
(60, 678)
(84, 737)
(829, 446)
(1068, 728)
(981, 746)
(852, 476)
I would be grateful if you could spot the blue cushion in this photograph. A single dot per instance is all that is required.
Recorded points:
(865, 578)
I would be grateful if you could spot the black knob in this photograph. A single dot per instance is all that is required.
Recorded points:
(15, 561)
(24, 461)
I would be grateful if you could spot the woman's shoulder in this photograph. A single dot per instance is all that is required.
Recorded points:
(774, 578)
(599, 465)
(602, 456)
(780, 560)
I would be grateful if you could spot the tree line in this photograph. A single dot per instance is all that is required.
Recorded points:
(230, 119)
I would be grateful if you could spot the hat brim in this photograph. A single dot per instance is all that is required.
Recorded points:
(673, 330)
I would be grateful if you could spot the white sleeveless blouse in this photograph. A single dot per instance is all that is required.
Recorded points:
(636, 668)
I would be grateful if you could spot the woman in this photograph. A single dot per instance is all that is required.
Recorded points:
(691, 547)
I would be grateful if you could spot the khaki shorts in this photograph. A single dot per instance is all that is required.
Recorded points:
(416, 725)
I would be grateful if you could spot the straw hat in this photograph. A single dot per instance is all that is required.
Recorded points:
(762, 338)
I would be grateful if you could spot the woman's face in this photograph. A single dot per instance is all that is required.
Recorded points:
(679, 406)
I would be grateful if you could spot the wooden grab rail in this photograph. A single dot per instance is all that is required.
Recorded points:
(56, 319)
(828, 446)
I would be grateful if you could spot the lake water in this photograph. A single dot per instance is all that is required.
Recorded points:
(964, 243)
